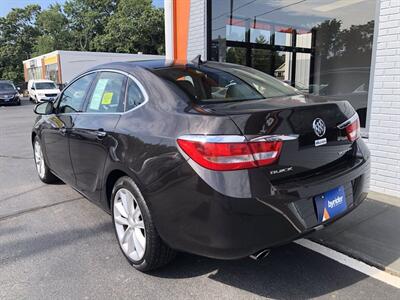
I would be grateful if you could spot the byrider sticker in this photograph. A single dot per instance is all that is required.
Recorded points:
(107, 97)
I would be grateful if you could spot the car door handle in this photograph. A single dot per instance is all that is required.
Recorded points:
(62, 130)
(101, 133)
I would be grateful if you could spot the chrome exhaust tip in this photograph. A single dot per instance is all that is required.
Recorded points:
(260, 254)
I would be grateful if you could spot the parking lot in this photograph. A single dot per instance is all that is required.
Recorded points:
(56, 244)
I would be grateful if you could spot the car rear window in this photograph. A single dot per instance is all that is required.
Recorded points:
(224, 83)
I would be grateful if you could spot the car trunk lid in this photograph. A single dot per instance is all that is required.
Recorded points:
(296, 120)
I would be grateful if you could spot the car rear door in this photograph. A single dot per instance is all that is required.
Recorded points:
(91, 139)
(55, 134)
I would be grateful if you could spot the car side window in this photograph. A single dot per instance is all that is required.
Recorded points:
(73, 97)
(108, 93)
(134, 96)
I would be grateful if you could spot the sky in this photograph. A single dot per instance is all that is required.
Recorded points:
(7, 5)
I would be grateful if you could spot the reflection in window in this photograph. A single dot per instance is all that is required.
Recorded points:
(283, 37)
(260, 36)
(261, 59)
(235, 33)
(302, 78)
(284, 66)
(236, 55)
(332, 43)
(303, 39)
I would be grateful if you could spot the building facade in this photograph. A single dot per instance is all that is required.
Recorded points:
(62, 66)
(338, 49)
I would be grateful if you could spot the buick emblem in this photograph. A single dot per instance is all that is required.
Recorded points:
(319, 127)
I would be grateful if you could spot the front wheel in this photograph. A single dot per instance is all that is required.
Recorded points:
(135, 230)
(43, 171)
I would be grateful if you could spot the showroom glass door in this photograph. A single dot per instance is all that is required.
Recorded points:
(321, 47)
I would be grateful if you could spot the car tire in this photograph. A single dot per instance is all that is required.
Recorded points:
(42, 169)
(155, 253)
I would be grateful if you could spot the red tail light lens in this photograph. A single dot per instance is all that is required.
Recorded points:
(225, 155)
(353, 129)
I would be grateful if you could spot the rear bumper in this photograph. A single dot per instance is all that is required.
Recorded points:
(193, 216)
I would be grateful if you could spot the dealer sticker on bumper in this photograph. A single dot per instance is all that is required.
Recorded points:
(330, 204)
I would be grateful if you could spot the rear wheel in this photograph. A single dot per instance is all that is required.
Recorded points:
(135, 230)
(43, 171)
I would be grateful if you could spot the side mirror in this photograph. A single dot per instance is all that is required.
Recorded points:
(33, 88)
(44, 108)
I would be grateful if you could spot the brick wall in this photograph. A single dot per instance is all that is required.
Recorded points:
(384, 129)
(197, 29)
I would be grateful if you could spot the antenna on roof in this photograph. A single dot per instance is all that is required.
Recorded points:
(197, 60)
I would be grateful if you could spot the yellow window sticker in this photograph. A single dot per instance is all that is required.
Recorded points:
(107, 97)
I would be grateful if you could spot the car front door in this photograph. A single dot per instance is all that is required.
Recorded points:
(92, 139)
(55, 134)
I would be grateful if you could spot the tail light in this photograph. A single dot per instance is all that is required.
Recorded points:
(352, 127)
(227, 153)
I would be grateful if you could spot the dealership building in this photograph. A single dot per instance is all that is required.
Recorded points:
(340, 49)
(63, 66)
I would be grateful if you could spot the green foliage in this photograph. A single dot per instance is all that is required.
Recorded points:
(136, 26)
(54, 32)
(18, 35)
(128, 26)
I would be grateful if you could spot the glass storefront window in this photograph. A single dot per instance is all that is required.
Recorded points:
(52, 72)
(302, 78)
(260, 36)
(261, 59)
(283, 37)
(35, 73)
(283, 66)
(236, 55)
(303, 39)
(235, 33)
(319, 46)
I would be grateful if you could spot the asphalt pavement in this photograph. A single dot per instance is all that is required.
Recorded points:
(54, 244)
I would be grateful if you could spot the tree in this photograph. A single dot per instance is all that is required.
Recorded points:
(136, 26)
(18, 34)
(87, 19)
(54, 32)
(84, 25)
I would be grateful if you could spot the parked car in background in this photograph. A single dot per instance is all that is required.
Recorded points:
(42, 90)
(214, 159)
(9, 94)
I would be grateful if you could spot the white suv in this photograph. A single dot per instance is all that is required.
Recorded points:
(42, 90)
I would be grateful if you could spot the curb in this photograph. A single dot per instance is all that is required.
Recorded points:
(358, 256)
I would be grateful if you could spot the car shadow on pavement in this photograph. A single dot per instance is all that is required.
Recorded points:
(21, 248)
(303, 273)
(370, 233)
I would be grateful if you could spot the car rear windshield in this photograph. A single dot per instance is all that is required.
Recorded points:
(5, 86)
(213, 82)
(45, 86)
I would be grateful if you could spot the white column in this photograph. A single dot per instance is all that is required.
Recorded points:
(169, 28)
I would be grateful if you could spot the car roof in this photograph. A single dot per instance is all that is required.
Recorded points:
(129, 66)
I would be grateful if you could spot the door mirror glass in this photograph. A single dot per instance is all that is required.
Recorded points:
(44, 108)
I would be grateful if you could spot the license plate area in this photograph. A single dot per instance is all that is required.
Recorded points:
(330, 203)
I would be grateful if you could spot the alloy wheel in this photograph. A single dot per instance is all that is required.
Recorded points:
(39, 160)
(129, 225)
